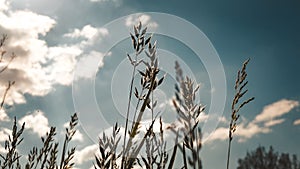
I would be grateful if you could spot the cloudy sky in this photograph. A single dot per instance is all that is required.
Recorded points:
(71, 56)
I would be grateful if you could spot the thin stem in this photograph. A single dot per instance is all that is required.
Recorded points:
(172, 160)
(138, 149)
(8, 63)
(198, 149)
(5, 93)
(152, 112)
(138, 103)
(140, 115)
(193, 152)
(152, 108)
(184, 156)
(229, 148)
(128, 108)
(63, 153)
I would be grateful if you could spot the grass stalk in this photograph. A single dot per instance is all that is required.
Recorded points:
(240, 91)
(228, 153)
(128, 109)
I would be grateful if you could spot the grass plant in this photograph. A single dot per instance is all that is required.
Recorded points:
(117, 151)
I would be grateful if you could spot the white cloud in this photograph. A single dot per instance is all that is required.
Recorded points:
(223, 120)
(26, 23)
(143, 18)
(86, 154)
(64, 62)
(243, 132)
(89, 33)
(23, 29)
(220, 133)
(274, 122)
(78, 136)
(3, 115)
(4, 4)
(248, 131)
(297, 122)
(38, 66)
(88, 64)
(202, 117)
(37, 122)
(2, 150)
(4, 133)
(261, 124)
(276, 109)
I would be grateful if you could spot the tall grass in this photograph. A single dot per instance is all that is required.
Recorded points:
(11, 159)
(188, 115)
(44, 157)
(118, 151)
(154, 144)
(237, 104)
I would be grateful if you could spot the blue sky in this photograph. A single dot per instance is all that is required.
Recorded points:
(54, 40)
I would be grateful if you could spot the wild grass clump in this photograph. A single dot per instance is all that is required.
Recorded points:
(188, 137)
(44, 157)
(149, 81)
(47, 155)
(11, 159)
(118, 151)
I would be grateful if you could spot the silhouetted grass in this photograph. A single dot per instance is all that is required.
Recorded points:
(154, 144)
(116, 152)
(44, 157)
(240, 91)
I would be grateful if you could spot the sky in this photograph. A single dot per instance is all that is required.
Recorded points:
(71, 57)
